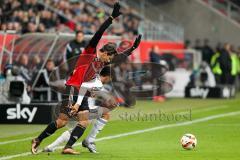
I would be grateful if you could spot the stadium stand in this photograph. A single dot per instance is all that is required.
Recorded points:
(26, 16)
(227, 8)
(32, 16)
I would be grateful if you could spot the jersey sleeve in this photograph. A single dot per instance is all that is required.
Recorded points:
(127, 52)
(98, 35)
(122, 56)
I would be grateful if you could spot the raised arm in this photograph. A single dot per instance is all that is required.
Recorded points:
(136, 43)
(122, 56)
(97, 36)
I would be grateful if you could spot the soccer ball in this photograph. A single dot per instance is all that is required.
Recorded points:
(188, 141)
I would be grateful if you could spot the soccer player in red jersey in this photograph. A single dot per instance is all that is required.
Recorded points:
(83, 79)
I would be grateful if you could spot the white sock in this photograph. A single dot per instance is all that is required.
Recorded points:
(97, 127)
(63, 138)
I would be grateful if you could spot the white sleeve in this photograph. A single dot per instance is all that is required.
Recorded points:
(65, 56)
(69, 48)
(81, 94)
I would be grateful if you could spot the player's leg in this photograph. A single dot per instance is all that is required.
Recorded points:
(49, 130)
(97, 127)
(77, 132)
(60, 140)
(65, 135)
(60, 122)
(99, 124)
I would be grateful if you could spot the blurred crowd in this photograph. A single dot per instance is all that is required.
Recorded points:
(218, 66)
(223, 60)
(47, 16)
(26, 16)
(223, 63)
(37, 76)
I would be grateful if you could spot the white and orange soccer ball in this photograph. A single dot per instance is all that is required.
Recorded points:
(188, 141)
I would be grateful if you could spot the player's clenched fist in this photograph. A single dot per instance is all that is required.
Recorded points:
(116, 10)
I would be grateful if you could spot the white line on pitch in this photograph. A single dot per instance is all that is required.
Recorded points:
(209, 109)
(143, 131)
(194, 111)
(204, 109)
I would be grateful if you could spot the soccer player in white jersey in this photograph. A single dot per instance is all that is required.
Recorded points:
(101, 115)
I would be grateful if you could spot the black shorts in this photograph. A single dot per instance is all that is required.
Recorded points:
(70, 98)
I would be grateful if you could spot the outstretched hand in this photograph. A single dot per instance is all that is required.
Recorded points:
(74, 110)
(116, 10)
(137, 41)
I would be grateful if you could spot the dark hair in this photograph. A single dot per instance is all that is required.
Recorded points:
(78, 31)
(49, 60)
(110, 48)
(106, 71)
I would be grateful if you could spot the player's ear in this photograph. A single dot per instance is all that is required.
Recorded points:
(101, 50)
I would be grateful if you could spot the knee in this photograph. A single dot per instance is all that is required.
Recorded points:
(106, 116)
(83, 116)
(84, 123)
(61, 123)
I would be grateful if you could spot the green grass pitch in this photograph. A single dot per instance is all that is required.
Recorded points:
(136, 134)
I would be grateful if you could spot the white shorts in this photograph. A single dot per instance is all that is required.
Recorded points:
(89, 86)
(94, 83)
